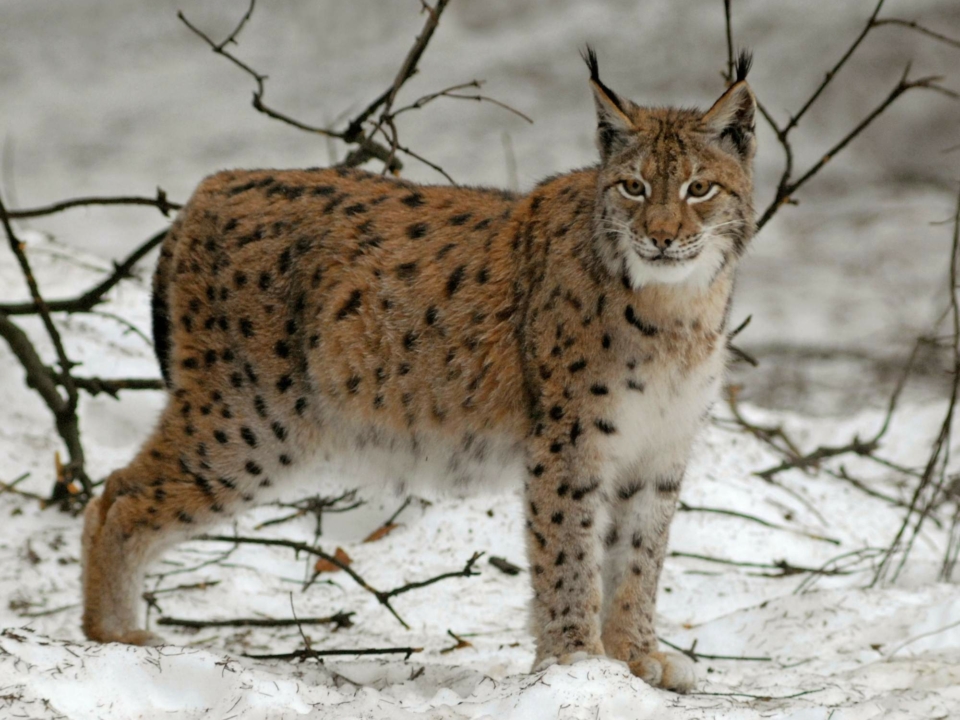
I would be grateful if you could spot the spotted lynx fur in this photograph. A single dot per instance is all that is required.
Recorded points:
(575, 335)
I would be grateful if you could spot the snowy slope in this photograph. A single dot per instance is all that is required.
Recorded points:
(837, 652)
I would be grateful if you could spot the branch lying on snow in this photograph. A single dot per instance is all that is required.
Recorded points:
(308, 653)
(684, 507)
(785, 568)
(697, 657)
(338, 621)
(383, 597)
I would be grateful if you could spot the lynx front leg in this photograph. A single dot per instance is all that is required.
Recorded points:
(564, 550)
(636, 544)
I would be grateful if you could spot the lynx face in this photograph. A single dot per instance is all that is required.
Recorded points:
(674, 186)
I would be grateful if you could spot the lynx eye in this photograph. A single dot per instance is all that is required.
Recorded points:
(699, 188)
(632, 189)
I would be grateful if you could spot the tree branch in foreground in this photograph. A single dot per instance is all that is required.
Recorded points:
(160, 202)
(383, 597)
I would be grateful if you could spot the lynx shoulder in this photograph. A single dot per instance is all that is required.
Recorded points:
(569, 340)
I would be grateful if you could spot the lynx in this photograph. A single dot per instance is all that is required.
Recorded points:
(574, 336)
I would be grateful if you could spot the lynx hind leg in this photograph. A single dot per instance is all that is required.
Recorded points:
(117, 547)
(177, 484)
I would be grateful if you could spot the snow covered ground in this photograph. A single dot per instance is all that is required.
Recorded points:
(108, 97)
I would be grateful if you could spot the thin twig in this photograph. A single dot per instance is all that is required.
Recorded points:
(918, 28)
(832, 72)
(383, 597)
(339, 620)
(95, 295)
(160, 202)
(729, 27)
(786, 569)
(684, 507)
(697, 656)
(309, 653)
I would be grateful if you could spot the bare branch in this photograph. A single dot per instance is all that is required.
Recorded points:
(729, 26)
(160, 202)
(309, 653)
(339, 620)
(920, 29)
(95, 295)
(382, 597)
(832, 72)
(787, 187)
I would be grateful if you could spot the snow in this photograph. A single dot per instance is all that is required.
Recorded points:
(109, 97)
(833, 649)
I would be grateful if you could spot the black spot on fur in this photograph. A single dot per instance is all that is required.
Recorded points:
(248, 436)
(351, 306)
(604, 426)
(455, 280)
(417, 230)
(406, 271)
(284, 383)
(413, 200)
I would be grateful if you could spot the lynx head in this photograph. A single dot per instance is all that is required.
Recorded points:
(675, 185)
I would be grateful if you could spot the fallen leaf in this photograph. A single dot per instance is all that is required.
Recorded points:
(327, 566)
(381, 532)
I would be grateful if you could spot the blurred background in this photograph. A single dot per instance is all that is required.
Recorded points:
(107, 97)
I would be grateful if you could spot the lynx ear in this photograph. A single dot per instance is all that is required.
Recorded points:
(730, 119)
(613, 124)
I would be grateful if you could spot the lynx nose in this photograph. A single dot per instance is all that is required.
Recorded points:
(661, 239)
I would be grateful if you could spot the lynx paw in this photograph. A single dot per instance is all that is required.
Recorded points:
(565, 659)
(670, 671)
(144, 638)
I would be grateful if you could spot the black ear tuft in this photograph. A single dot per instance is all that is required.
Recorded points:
(589, 56)
(744, 62)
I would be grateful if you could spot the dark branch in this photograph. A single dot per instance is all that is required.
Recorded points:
(383, 597)
(310, 654)
(95, 295)
(339, 620)
(160, 202)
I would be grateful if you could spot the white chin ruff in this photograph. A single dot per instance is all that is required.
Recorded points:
(697, 272)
